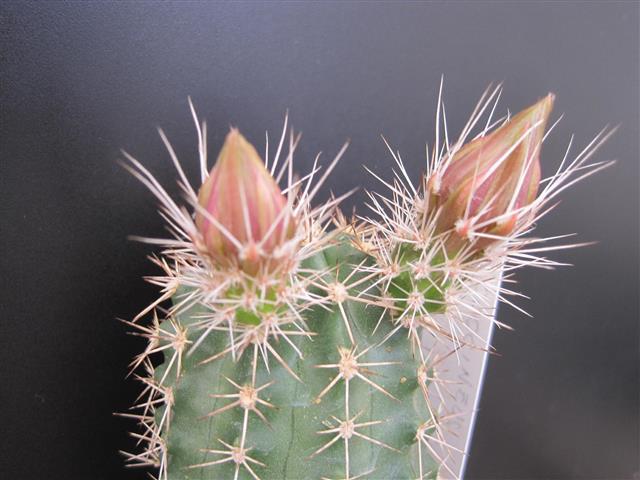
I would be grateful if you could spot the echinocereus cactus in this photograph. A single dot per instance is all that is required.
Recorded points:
(293, 345)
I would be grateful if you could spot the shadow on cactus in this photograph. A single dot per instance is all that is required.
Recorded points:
(293, 346)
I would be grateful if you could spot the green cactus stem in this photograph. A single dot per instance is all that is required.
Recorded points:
(342, 410)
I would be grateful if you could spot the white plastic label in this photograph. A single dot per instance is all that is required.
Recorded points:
(461, 375)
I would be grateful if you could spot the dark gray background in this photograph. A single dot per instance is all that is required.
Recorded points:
(81, 80)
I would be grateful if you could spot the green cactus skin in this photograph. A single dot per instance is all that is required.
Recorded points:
(283, 442)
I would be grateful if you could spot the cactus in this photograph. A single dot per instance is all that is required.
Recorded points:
(292, 347)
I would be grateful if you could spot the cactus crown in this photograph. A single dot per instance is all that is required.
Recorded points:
(293, 346)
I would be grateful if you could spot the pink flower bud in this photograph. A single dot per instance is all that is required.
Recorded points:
(487, 182)
(244, 216)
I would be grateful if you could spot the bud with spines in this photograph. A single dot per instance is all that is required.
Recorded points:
(245, 391)
(431, 244)
(486, 184)
(243, 216)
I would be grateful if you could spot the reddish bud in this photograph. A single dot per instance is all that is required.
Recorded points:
(489, 179)
(247, 216)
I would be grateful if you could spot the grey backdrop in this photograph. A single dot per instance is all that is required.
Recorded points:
(81, 80)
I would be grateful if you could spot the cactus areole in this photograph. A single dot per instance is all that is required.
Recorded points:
(292, 338)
